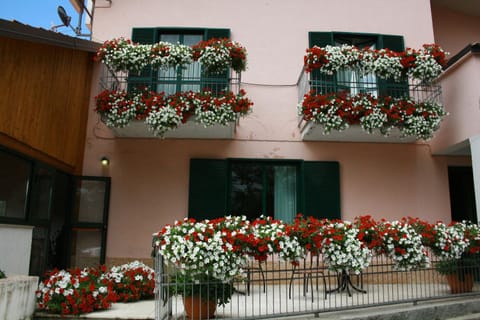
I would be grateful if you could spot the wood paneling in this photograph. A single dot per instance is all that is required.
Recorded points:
(44, 101)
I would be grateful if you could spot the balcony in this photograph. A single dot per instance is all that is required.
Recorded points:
(174, 89)
(166, 90)
(390, 97)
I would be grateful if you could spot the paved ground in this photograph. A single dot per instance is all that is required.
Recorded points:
(463, 308)
(140, 310)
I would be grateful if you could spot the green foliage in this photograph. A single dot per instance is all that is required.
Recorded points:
(467, 264)
(2, 274)
(205, 287)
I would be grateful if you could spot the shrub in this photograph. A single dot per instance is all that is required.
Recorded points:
(132, 281)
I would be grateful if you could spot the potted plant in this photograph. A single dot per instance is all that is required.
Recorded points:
(201, 294)
(460, 273)
(457, 246)
(204, 259)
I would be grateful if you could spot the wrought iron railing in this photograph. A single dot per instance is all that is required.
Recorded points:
(170, 81)
(351, 83)
(275, 288)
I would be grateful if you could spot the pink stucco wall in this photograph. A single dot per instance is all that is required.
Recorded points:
(461, 98)
(454, 30)
(150, 176)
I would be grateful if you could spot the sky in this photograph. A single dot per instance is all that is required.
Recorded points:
(40, 13)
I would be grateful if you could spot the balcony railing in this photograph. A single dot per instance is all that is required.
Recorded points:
(170, 82)
(350, 86)
(275, 288)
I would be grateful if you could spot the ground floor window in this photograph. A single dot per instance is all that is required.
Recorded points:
(252, 187)
(263, 187)
(68, 213)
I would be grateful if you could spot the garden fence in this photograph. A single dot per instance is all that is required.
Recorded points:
(275, 288)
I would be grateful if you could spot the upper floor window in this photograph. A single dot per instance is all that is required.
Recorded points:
(190, 77)
(353, 81)
(181, 78)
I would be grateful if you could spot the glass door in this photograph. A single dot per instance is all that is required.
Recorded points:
(89, 221)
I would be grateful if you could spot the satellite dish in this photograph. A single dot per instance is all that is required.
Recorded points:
(63, 16)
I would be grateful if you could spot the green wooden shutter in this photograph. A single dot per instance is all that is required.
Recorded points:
(321, 82)
(216, 82)
(146, 76)
(390, 87)
(321, 189)
(208, 188)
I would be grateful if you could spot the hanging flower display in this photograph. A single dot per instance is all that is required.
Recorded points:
(403, 245)
(342, 250)
(163, 113)
(424, 64)
(337, 111)
(166, 55)
(216, 55)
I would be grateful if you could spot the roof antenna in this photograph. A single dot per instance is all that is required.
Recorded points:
(66, 19)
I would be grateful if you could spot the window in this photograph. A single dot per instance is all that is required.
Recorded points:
(253, 187)
(263, 187)
(14, 184)
(352, 82)
(180, 79)
(68, 231)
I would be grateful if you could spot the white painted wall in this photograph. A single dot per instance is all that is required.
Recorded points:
(15, 246)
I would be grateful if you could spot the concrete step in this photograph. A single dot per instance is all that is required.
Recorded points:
(466, 308)
(472, 316)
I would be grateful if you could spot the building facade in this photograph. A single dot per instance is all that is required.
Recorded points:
(271, 161)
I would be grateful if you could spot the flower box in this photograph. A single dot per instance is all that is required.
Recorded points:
(189, 130)
(17, 297)
(355, 133)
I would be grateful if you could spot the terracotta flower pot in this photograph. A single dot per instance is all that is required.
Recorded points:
(460, 284)
(197, 308)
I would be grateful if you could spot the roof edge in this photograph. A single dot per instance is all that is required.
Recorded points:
(17, 30)
(472, 47)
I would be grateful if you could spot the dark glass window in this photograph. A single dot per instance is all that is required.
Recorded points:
(41, 195)
(264, 188)
(14, 180)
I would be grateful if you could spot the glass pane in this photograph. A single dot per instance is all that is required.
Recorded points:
(41, 193)
(89, 201)
(191, 39)
(58, 252)
(14, 175)
(172, 38)
(247, 190)
(86, 247)
(38, 256)
(191, 72)
(167, 88)
(285, 193)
